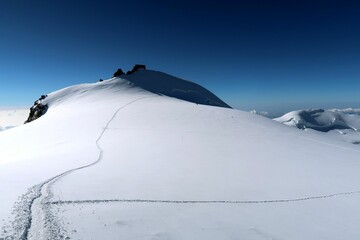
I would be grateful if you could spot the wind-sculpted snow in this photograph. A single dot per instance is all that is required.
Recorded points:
(320, 120)
(341, 124)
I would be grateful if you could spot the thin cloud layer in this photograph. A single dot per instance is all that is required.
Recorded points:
(354, 111)
(10, 118)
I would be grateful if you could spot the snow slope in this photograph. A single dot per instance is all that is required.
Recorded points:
(111, 160)
(162, 83)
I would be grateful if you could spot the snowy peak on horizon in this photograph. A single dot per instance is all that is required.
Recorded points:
(321, 120)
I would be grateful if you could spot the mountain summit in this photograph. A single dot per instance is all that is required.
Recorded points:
(165, 84)
(139, 78)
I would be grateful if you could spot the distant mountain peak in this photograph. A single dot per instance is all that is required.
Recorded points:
(320, 120)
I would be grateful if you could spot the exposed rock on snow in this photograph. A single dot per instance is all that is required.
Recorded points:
(153, 81)
(118, 73)
(38, 110)
(136, 68)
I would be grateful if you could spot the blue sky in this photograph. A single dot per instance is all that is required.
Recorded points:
(271, 56)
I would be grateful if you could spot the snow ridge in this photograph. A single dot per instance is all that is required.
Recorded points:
(165, 84)
(34, 199)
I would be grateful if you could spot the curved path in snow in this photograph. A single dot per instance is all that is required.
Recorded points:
(205, 201)
(32, 211)
(35, 219)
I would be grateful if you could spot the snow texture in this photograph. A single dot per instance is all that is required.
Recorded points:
(117, 160)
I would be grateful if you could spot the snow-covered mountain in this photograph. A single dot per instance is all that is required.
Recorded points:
(342, 124)
(320, 120)
(119, 159)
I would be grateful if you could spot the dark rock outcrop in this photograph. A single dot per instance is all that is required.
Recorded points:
(43, 97)
(38, 110)
(136, 68)
(118, 72)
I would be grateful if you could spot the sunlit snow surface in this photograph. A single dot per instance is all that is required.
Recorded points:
(111, 160)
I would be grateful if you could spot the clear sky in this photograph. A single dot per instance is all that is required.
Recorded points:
(265, 55)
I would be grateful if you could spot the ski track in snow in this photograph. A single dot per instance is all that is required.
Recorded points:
(38, 197)
(203, 201)
(23, 224)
